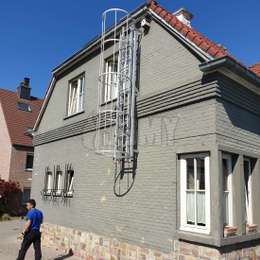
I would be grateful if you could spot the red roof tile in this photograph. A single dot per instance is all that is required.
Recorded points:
(19, 121)
(255, 68)
(211, 48)
(202, 42)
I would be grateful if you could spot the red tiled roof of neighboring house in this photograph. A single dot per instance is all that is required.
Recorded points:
(19, 121)
(198, 39)
(255, 68)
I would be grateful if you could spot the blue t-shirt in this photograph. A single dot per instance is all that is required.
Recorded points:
(36, 218)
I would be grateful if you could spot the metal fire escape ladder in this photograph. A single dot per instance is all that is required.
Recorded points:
(125, 121)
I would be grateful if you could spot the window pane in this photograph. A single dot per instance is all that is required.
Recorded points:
(201, 218)
(190, 173)
(29, 161)
(225, 174)
(70, 180)
(226, 208)
(49, 181)
(246, 173)
(81, 94)
(26, 194)
(200, 174)
(190, 195)
(110, 79)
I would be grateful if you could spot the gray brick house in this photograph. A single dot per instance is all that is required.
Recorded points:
(191, 131)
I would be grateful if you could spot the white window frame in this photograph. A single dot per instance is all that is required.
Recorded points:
(49, 182)
(28, 154)
(228, 157)
(183, 182)
(58, 181)
(249, 204)
(110, 94)
(69, 187)
(76, 96)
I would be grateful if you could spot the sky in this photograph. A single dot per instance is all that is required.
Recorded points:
(38, 35)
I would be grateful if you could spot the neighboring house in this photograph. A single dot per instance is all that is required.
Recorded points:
(192, 188)
(18, 113)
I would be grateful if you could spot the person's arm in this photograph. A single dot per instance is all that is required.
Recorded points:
(27, 226)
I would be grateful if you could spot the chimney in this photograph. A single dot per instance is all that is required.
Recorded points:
(184, 16)
(24, 90)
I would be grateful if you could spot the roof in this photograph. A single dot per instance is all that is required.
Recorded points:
(211, 48)
(255, 68)
(198, 39)
(18, 121)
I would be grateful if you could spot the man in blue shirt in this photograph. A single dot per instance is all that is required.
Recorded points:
(31, 233)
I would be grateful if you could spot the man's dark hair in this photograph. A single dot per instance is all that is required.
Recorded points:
(32, 202)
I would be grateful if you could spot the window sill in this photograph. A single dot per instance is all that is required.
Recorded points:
(195, 230)
(28, 170)
(76, 114)
(196, 237)
(108, 102)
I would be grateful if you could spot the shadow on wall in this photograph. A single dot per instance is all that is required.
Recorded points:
(241, 118)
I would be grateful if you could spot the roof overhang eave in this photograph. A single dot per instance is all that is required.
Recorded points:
(96, 41)
(232, 65)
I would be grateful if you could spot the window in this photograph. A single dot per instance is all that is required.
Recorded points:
(110, 79)
(29, 162)
(48, 182)
(57, 181)
(76, 96)
(69, 178)
(227, 189)
(248, 190)
(24, 107)
(26, 195)
(195, 193)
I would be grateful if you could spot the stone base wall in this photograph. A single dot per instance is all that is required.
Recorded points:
(91, 246)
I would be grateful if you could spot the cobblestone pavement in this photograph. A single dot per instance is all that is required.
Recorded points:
(9, 244)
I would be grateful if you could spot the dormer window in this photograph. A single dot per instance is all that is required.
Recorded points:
(24, 107)
(76, 96)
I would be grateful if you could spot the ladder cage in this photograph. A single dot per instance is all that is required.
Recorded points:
(115, 128)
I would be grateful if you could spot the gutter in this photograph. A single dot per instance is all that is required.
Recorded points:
(234, 66)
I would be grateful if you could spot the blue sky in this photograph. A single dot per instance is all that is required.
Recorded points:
(35, 36)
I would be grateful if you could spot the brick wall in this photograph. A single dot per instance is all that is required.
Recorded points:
(95, 247)
(17, 167)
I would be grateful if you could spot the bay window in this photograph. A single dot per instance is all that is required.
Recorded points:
(195, 193)
(76, 96)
